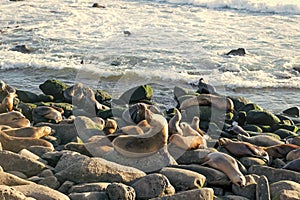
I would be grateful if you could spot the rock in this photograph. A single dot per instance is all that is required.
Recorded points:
(46, 173)
(35, 179)
(40, 192)
(26, 109)
(137, 94)
(249, 161)
(30, 97)
(274, 175)
(287, 195)
(236, 52)
(98, 169)
(239, 102)
(261, 118)
(250, 106)
(183, 179)
(233, 197)
(32, 156)
(249, 191)
(10, 193)
(102, 96)
(67, 108)
(203, 193)
(293, 165)
(51, 182)
(147, 164)
(22, 48)
(54, 87)
(65, 187)
(263, 189)
(87, 127)
(89, 187)
(253, 128)
(89, 196)
(97, 5)
(39, 150)
(67, 159)
(283, 185)
(10, 161)
(116, 191)
(11, 180)
(179, 91)
(213, 176)
(153, 185)
(293, 111)
(53, 157)
(283, 133)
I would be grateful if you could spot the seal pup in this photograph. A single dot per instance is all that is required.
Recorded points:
(222, 103)
(293, 155)
(174, 127)
(34, 132)
(243, 149)
(228, 165)
(260, 140)
(293, 165)
(204, 88)
(16, 144)
(137, 146)
(46, 114)
(14, 119)
(280, 150)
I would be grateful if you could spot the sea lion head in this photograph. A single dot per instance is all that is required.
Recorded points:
(239, 180)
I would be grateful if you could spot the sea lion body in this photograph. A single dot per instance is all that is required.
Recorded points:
(293, 155)
(14, 119)
(280, 150)
(173, 124)
(34, 132)
(136, 146)
(46, 113)
(236, 130)
(190, 142)
(260, 140)
(227, 165)
(16, 144)
(7, 103)
(293, 165)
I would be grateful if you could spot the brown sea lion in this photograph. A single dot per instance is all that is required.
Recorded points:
(173, 124)
(46, 114)
(136, 112)
(190, 142)
(195, 125)
(34, 132)
(90, 102)
(14, 119)
(242, 149)
(110, 126)
(293, 165)
(227, 165)
(16, 144)
(218, 102)
(293, 155)
(280, 150)
(260, 140)
(236, 130)
(7, 103)
(137, 146)
(296, 140)
(74, 94)
(187, 130)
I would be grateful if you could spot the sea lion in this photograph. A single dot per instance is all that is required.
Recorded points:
(16, 144)
(136, 112)
(218, 102)
(260, 140)
(187, 130)
(190, 142)
(243, 149)
(293, 165)
(236, 52)
(34, 132)
(90, 102)
(227, 165)
(195, 125)
(296, 140)
(204, 88)
(14, 119)
(74, 94)
(136, 146)
(237, 130)
(280, 150)
(7, 103)
(293, 155)
(46, 114)
(173, 124)
(110, 126)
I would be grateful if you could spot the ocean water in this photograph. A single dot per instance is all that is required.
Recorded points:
(172, 43)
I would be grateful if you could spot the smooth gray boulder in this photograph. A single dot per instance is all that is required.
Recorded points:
(116, 191)
(203, 193)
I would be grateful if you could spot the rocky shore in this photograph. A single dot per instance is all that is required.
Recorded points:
(75, 142)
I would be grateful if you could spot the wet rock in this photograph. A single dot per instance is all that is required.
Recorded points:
(249, 191)
(89, 187)
(203, 193)
(10, 193)
(250, 106)
(54, 87)
(137, 94)
(183, 179)
(283, 133)
(213, 176)
(233, 197)
(67, 159)
(39, 150)
(236, 52)
(10, 161)
(30, 97)
(179, 91)
(40, 192)
(239, 102)
(51, 182)
(293, 111)
(147, 164)
(89, 196)
(153, 185)
(261, 118)
(274, 175)
(98, 169)
(26, 109)
(116, 191)
(263, 189)
(22, 48)
(249, 161)
(102, 96)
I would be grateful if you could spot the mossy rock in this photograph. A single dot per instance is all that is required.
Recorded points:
(283, 133)
(251, 106)
(30, 97)
(115, 112)
(291, 128)
(68, 108)
(266, 128)
(261, 118)
(240, 117)
(26, 109)
(285, 120)
(54, 87)
(239, 102)
(252, 128)
(102, 96)
(137, 94)
(293, 111)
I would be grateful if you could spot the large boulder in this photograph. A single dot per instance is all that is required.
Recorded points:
(30, 97)
(10, 193)
(54, 87)
(280, 187)
(117, 191)
(261, 118)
